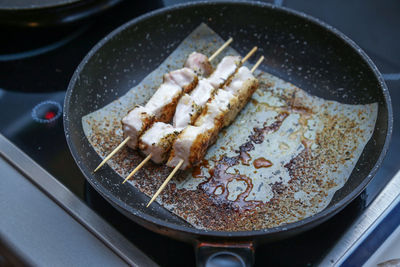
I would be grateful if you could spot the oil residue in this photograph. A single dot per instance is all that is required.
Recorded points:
(262, 163)
(245, 158)
(217, 185)
(196, 171)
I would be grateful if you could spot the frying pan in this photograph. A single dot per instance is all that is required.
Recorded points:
(324, 60)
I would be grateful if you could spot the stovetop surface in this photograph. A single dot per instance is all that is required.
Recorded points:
(35, 72)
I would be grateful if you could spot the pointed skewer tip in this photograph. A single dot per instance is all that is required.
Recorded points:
(166, 182)
(138, 167)
(112, 153)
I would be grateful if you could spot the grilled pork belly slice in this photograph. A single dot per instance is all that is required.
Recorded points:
(162, 104)
(216, 110)
(225, 69)
(243, 85)
(189, 145)
(135, 123)
(185, 78)
(185, 111)
(158, 144)
(199, 63)
(190, 106)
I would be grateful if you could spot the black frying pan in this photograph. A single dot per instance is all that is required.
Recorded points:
(326, 58)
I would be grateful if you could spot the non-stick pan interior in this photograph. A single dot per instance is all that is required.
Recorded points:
(297, 49)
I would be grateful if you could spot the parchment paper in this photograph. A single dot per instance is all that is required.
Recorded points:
(309, 148)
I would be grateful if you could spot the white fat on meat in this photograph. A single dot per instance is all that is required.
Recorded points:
(225, 69)
(185, 110)
(199, 63)
(184, 78)
(203, 92)
(217, 109)
(163, 98)
(189, 106)
(236, 85)
(158, 140)
(135, 123)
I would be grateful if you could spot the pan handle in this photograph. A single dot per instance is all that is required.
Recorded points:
(239, 254)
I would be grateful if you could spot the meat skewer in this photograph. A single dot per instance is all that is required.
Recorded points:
(158, 139)
(193, 142)
(190, 106)
(219, 113)
(143, 117)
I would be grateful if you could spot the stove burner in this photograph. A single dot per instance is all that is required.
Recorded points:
(46, 111)
(41, 42)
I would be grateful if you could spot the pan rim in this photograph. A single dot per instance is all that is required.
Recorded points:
(304, 223)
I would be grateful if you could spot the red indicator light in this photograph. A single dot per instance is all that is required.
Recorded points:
(46, 111)
(49, 115)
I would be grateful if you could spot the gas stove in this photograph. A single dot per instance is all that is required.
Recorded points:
(34, 75)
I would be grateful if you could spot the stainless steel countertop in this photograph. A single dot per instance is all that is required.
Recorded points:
(367, 221)
(44, 224)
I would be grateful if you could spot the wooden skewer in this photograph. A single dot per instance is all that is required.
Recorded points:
(181, 161)
(219, 50)
(165, 182)
(216, 53)
(257, 64)
(251, 52)
(138, 167)
(112, 153)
